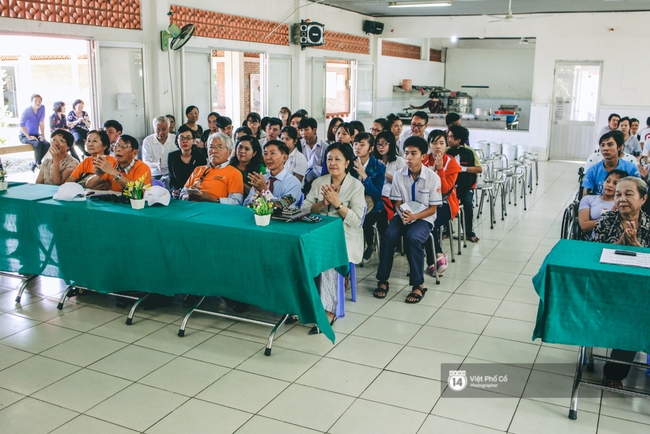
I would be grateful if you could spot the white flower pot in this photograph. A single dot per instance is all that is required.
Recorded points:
(4, 185)
(262, 220)
(137, 203)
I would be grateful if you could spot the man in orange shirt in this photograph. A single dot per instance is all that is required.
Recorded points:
(125, 168)
(218, 181)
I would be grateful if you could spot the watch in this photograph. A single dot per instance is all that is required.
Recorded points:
(117, 177)
(339, 207)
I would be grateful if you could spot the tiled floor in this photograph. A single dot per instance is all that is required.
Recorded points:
(82, 370)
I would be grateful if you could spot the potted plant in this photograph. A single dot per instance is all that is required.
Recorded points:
(3, 178)
(134, 190)
(263, 208)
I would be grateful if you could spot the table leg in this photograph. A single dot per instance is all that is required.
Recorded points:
(573, 410)
(129, 319)
(26, 279)
(181, 331)
(63, 297)
(269, 343)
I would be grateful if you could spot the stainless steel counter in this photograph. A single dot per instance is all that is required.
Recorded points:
(470, 123)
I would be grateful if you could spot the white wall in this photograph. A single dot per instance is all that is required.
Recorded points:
(507, 72)
(560, 37)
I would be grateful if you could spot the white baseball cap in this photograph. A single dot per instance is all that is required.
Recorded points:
(157, 194)
(70, 191)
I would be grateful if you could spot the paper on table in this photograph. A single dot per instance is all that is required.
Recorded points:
(640, 260)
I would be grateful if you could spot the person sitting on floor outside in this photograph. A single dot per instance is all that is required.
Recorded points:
(58, 164)
(115, 175)
(447, 169)
(611, 144)
(218, 181)
(419, 190)
(628, 226)
(371, 172)
(593, 206)
(338, 194)
(97, 143)
(277, 180)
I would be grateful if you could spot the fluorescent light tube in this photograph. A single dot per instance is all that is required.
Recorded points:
(419, 5)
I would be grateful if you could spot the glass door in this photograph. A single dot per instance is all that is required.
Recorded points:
(576, 92)
(364, 84)
(197, 83)
(119, 81)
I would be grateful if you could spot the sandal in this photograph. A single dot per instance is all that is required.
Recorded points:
(379, 291)
(473, 238)
(414, 297)
(315, 330)
(614, 384)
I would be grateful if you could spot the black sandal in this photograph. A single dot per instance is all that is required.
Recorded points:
(379, 290)
(415, 298)
(315, 330)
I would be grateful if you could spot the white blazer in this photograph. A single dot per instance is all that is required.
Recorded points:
(353, 197)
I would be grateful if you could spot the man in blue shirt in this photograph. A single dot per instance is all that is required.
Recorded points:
(611, 144)
(32, 129)
(278, 181)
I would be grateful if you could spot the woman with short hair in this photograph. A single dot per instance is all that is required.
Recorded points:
(254, 122)
(58, 164)
(79, 122)
(181, 163)
(628, 226)
(97, 143)
(192, 113)
(338, 194)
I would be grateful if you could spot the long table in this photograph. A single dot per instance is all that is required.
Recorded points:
(193, 248)
(589, 304)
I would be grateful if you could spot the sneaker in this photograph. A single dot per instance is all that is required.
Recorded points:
(431, 269)
(32, 166)
(441, 263)
(367, 254)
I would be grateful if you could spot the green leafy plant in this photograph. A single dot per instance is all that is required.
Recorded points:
(3, 174)
(262, 203)
(135, 189)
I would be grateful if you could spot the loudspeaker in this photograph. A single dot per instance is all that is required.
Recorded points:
(308, 34)
(374, 27)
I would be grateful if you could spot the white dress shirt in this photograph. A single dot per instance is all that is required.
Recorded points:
(154, 153)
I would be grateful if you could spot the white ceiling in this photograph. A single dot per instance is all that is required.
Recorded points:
(379, 8)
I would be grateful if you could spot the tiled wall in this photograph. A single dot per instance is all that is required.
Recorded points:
(435, 55)
(124, 14)
(397, 49)
(223, 26)
(345, 42)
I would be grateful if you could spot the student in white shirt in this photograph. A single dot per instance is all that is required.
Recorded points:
(419, 187)
(273, 128)
(419, 127)
(296, 163)
(313, 148)
(645, 133)
(156, 147)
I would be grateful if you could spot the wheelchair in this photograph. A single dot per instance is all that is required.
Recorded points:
(570, 229)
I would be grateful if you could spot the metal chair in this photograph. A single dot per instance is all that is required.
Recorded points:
(489, 189)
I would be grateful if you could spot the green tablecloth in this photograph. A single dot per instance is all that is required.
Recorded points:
(586, 303)
(187, 247)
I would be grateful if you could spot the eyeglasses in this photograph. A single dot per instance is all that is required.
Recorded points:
(382, 144)
(181, 138)
(125, 146)
(418, 126)
(217, 148)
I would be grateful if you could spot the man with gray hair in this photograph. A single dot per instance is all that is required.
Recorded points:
(157, 146)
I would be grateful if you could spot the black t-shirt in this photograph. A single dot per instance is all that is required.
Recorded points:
(467, 158)
(179, 172)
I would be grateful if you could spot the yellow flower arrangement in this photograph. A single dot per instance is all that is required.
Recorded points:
(135, 189)
(262, 203)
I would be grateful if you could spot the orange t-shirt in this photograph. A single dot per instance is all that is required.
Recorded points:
(218, 182)
(86, 166)
(136, 172)
(448, 176)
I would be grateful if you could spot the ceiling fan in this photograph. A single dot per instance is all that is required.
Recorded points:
(509, 17)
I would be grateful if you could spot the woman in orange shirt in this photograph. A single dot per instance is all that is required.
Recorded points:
(97, 143)
(447, 169)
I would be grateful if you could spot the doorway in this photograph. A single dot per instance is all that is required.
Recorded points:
(576, 93)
